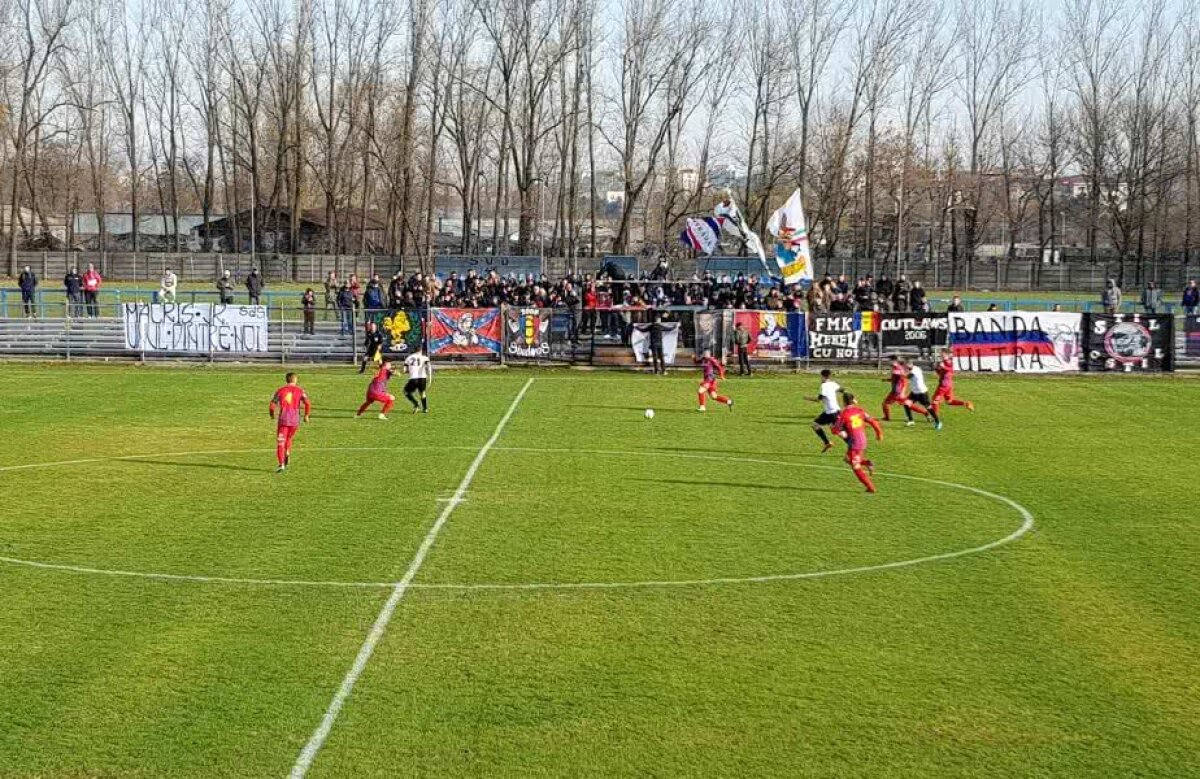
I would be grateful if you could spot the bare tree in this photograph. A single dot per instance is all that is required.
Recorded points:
(37, 34)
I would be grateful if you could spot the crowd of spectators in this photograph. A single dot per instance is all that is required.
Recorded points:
(608, 291)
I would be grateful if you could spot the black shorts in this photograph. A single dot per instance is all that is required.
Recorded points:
(920, 397)
(825, 419)
(415, 385)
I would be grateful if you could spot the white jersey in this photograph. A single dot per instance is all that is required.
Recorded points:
(417, 366)
(828, 395)
(917, 376)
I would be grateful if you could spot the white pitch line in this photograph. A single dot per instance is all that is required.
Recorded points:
(317, 740)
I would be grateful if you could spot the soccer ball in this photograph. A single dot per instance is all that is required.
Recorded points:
(649, 413)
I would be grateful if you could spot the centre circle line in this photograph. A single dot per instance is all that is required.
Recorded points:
(1027, 524)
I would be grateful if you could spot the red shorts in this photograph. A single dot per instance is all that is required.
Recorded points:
(709, 386)
(856, 456)
(944, 392)
(285, 433)
(379, 397)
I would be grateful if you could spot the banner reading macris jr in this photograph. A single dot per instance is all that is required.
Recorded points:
(195, 328)
(1016, 341)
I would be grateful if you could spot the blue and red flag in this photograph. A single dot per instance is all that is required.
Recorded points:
(464, 331)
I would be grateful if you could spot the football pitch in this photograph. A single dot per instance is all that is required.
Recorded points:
(536, 580)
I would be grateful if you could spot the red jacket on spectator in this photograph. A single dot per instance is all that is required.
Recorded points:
(91, 281)
(590, 300)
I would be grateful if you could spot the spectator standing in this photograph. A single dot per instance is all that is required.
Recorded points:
(254, 286)
(741, 344)
(331, 292)
(73, 283)
(1110, 298)
(1152, 298)
(1191, 298)
(884, 290)
(91, 290)
(225, 289)
(570, 299)
(355, 290)
(900, 296)
(168, 285)
(345, 309)
(916, 298)
(657, 360)
(28, 282)
(373, 296)
(591, 302)
(308, 304)
(956, 305)
(396, 290)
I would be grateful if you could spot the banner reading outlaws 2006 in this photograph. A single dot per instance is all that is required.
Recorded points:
(1016, 341)
(463, 331)
(1129, 342)
(843, 336)
(908, 333)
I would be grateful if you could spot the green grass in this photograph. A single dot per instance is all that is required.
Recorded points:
(1073, 651)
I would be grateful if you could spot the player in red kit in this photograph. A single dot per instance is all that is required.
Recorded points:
(899, 393)
(288, 399)
(714, 371)
(852, 425)
(945, 387)
(377, 391)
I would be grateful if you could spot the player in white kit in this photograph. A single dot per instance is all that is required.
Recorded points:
(919, 392)
(827, 396)
(416, 389)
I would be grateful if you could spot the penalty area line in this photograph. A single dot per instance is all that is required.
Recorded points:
(305, 760)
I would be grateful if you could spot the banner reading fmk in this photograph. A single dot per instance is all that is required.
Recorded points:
(484, 264)
(849, 336)
(195, 328)
(1129, 343)
(913, 333)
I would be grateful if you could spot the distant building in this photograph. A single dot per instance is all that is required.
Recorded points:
(353, 230)
(156, 232)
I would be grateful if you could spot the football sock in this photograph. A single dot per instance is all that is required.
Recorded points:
(820, 431)
(865, 479)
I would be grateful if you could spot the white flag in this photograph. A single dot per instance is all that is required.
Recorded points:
(792, 249)
(730, 218)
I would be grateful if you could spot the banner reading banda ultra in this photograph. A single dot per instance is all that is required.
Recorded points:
(195, 328)
(1016, 341)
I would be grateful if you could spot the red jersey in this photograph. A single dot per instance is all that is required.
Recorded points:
(379, 384)
(899, 380)
(853, 421)
(712, 368)
(289, 398)
(945, 372)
